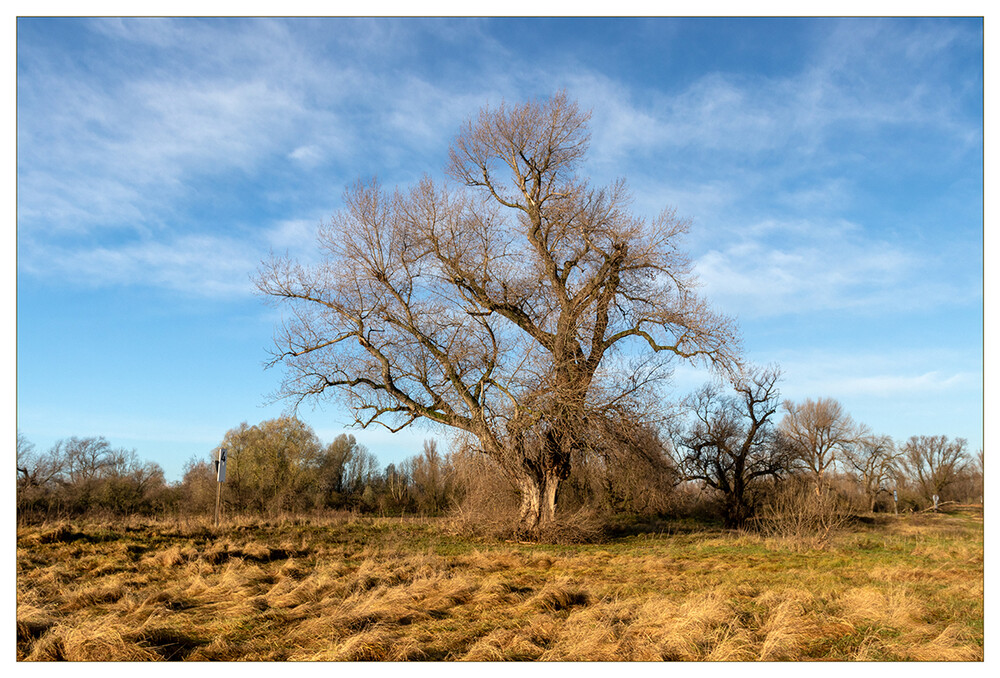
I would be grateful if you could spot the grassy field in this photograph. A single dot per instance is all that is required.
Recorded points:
(388, 589)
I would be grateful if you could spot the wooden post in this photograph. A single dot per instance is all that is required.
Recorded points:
(220, 476)
(218, 501)
(895, 506)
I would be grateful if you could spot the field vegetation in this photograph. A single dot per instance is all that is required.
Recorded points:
(350, 587)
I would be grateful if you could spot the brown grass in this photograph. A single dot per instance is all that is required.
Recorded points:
(395, 590)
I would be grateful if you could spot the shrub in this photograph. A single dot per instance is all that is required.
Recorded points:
(803, 511)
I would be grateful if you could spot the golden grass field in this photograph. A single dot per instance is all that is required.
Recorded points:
(393, 589)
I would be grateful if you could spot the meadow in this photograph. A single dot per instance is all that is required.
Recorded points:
(360, 588)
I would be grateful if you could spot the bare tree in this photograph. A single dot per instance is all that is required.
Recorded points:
(198, 486)
(934, 462)
(731, 445)
(128, 483)
(85, 459)
(25, 459)
(396, 494)
(36, 469)
(816, 431)
(874, 460)
(492, 308)
(331, 473)
(38, 475)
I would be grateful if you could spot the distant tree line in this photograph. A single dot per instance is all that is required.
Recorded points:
(730, 453)
(81, 475)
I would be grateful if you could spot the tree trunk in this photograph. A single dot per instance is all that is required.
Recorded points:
(549, 505)
(530, 516)
(537, 474)
(538, 503)
(735, 512)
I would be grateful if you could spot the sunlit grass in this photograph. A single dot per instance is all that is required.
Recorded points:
(383, 589)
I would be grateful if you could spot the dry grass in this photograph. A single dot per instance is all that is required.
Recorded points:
(393, 590)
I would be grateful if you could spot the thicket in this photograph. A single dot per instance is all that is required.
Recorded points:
(280, 467)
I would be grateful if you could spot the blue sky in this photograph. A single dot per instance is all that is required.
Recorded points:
(832, 169)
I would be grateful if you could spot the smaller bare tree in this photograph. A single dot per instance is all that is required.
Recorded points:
(36, 469)
(874, 461)
(427, 474)
(731, 444)
(86, 459)
(396, 495)
(816, 431)
(934, 463)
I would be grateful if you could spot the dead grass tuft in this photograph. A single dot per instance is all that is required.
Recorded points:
(371, 644)
(522, 643)
(690, 631)
(170, 557)
(559, 595)
(600, 632)
(951, 645)
(895, 607)
(32, 624)
(784, 629)
(93, 595)
(90, 641)
(168, 641)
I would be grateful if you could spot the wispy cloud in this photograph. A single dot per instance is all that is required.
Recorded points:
(126, 147)
(196, 265)
(849, 372)
(124, 159)
(907, 373)
(933, 382)
(801, 267)
(854, 81)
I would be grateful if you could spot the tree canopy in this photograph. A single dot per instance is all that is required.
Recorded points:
(492, 306)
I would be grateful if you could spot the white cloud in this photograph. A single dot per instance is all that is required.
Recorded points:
(297, 238)
(310, 155)
(197, 265)
(776, 268)
(158, 142)
(904, 373)
(156, 31)
(291, 233)
(934, 382)
(854, 82)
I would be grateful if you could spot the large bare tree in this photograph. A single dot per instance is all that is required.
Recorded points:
(507, 306)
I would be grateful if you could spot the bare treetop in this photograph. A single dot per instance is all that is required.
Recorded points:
(541, 165)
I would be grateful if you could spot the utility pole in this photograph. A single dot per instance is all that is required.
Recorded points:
(220, 476)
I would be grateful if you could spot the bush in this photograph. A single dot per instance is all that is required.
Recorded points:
(801, 510)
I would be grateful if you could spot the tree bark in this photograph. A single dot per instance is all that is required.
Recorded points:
(530, 516)
(549, 504)
(538, 502)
